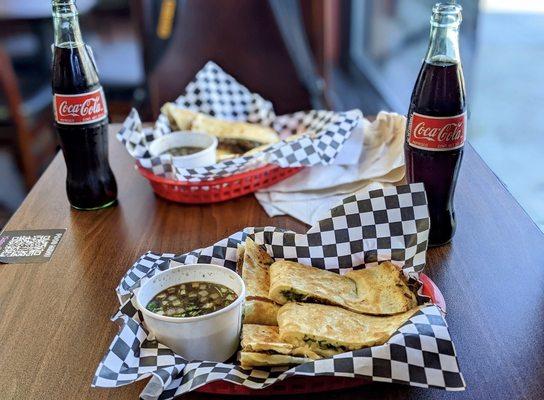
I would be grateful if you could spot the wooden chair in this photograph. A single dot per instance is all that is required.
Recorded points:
(242, 36)
(26, 123)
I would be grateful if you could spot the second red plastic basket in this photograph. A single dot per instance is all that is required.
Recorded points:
(217, 190)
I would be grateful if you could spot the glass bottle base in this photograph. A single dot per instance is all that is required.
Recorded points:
(111, 203)
(438, 244)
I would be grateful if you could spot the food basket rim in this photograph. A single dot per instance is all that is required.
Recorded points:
(146, 173)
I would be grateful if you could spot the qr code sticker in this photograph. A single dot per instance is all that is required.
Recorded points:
(26, 246)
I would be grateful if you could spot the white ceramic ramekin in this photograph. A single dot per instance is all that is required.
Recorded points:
(206, 156)
(210, 337)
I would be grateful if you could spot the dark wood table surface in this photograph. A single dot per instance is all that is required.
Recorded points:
(54, 317)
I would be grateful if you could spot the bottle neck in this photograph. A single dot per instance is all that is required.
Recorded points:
(444, 40)
(444, 45)
(66, 24)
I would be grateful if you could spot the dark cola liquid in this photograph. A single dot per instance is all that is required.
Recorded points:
(439, 92)
(90, 183)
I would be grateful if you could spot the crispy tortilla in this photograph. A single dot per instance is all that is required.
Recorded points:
(260, 338)
(222, 154)
(255, 270)
(380, 290)
(261, 312)
(236, 130)
(253, 264)
(328, 330)
(249, 360)
(262, 346)
(257, 253)
(240, 251)
(291, 281)
(179, 118)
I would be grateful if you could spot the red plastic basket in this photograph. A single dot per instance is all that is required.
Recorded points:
(217, 190)
(312, 384)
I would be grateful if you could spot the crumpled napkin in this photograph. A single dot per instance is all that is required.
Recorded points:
(308, 195)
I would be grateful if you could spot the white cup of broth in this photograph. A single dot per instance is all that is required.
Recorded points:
(195, 310)
(188, 149)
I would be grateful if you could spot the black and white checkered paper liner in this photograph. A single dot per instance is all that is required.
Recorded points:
(389, 224)
(214, 92)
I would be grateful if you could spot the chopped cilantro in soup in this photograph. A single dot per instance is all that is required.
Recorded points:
(182, 151)
(191, 299)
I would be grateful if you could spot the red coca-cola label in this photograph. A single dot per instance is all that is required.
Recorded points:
(437, 133)
(82, 108)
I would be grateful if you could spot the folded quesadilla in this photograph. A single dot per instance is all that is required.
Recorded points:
(380, 290)
(329, 330)
(291, 281)
(253, 264)
(261, 346)
(260, 338)
(180, 119)
(255, 134)
(260, 312)
(255, 270)
(235, 137)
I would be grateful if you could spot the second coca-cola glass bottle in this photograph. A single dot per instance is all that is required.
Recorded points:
(435, 133)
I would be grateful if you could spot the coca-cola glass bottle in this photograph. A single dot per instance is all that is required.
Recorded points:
(81, 114)
(435, 133)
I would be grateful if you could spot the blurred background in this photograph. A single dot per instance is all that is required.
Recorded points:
(300, 54)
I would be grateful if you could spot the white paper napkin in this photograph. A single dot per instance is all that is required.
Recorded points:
(309, 194)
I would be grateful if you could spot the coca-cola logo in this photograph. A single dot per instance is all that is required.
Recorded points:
(437, 133)
(88, 107)
(84, 108)
(449, 132)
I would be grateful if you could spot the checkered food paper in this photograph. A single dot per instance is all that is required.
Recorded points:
(320, 134)
(386, 224)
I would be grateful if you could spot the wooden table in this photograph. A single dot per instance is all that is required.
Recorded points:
(54, 317)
